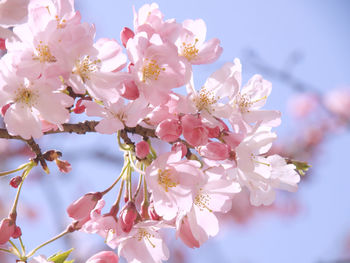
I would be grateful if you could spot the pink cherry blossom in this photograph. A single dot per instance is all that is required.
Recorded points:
(142, 244)
(98, 223)
(173, 182)
(30, 102)
(191, 43)
(104, 257)
(157, 67)
(117, 115)
(338, 102)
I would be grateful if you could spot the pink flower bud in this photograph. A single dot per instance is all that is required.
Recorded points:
(82, 207)
(213, 132)
(130, 90)
(78, 107)
(17, 233)
(63, 166)
(2, 44)
(15, 181)
(169, 130)
(179, 146)
(142, 149)
(104, 257)
(128, 216)
(185, 233)
(7, 229)
(215, 151)
(193, 130)
(125, 35)
(5, 108)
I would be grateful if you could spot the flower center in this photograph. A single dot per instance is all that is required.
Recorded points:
(26, 96)
(202, 201)
(85, 66)
(44, 54)
(151, 70)
(244, 102)
(60, 23)
(165, 180)
(189, 51)
(143, 234)
(205, 99)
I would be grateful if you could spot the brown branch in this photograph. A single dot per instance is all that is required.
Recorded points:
(39, 158)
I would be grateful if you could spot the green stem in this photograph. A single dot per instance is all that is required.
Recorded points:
(15, 249)
(24, 175)
(115, 182)
(31, 253)
(22, 246)
(145, 193)
(138, 187)
(15, 170)
(122, 145)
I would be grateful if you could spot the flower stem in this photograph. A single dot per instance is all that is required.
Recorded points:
(22, 246)
(16, 250)
(31, 253)
(15, 170)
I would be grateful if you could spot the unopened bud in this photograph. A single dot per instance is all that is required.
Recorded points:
(142, 150)
(78, 107)
(15, 181)
(17, 233)
(7, 229)
(2, 44)
(125, 35)
(82, 207)
(128, 216)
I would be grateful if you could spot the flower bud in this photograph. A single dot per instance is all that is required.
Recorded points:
(78, 109)
(17, 233)
(193, 130)
(7, 229)
(125, 35)
(2, 44)
(169, 130)
(142, 150)
(15, 181)
(82, 207)
(104, 257)
(128, 216)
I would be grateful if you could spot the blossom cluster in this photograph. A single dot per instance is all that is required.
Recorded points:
(219, 134)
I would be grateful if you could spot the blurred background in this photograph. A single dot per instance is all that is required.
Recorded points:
(302, 47)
